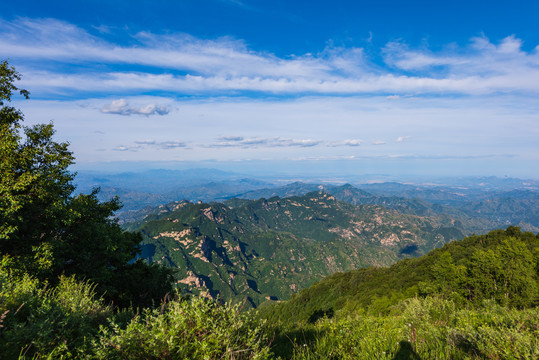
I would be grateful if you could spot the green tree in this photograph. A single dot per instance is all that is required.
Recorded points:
(35, 184)
(445, 279)
(45, 231)
(505, 273)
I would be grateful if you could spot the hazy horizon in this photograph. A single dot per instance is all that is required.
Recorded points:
(287, 174)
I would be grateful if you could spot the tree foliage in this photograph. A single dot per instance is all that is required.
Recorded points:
(46, 231)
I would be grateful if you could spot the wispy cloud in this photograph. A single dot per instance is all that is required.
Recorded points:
(152, 144)
(185, 64)
(481, 57)
(125, 148)
(448, 157)
(160, 144)
(122, 107)
(402, 138)
(347, 142)
(242, 142)
(239, 141)
(171, 144)
(378, 142)
(231, 138)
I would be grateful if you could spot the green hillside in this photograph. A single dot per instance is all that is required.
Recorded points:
(270, 249)
(501, 265)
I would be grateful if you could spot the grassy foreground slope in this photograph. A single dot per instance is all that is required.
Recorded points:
(474, 299)
(68, 321)
(418, 329)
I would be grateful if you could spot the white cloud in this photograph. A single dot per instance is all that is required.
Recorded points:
(402, 138)
(347, 142)
(494, 112)
(255, 142)
(164, 145)
(186, 64)
(504, 62)
(171, 144)
(449, 126)
(231, 138)
(146, 142)
(116, 107)
(124, 148)
(240, 141)
(122, 107)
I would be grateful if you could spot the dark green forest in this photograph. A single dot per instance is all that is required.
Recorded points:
(70, 287)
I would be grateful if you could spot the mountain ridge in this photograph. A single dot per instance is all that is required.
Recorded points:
(269, 248)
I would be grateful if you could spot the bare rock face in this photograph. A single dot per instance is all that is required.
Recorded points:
(193, 280)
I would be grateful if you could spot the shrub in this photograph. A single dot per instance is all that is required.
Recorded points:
(56, 322)
(193, 328)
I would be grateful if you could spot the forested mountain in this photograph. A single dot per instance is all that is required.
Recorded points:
(472, 299)
(274, 233)
(271, 248)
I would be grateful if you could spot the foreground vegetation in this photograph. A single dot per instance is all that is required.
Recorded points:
(429, 328)
(472, 299)
(501, 265)
(69, 321)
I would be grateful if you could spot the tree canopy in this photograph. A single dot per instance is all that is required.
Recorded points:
(47, 231)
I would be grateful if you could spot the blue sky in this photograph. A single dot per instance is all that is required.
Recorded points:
(418, 87)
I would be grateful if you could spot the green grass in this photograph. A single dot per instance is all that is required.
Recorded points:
(418, 329)
(69, 322)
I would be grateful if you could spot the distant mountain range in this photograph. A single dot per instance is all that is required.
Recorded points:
(480, 203)
(148, 189)
(476, 210)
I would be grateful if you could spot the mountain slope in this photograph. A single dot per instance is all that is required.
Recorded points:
(501, 265)
(269, 249)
